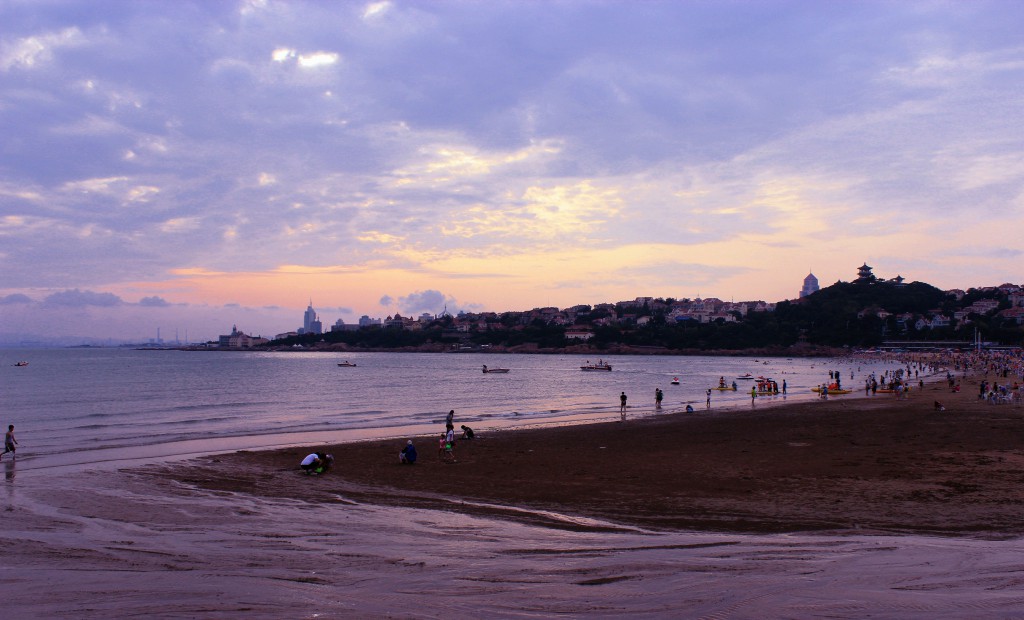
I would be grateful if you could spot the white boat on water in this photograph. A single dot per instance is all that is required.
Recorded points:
(346, 363)
(494, 370)
(600, 365)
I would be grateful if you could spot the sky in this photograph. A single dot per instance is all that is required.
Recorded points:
(186, 166)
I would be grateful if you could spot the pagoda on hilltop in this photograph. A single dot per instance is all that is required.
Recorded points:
(864, 275)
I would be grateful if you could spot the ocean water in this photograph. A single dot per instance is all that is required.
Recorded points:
(90, 406)
(124, 544)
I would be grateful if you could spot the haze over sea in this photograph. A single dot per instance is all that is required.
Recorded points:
(87, 406)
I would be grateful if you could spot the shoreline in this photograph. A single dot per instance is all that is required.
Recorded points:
(864, 465)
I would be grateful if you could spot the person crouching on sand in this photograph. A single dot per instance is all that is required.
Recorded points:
(316, 463)
(408, 454)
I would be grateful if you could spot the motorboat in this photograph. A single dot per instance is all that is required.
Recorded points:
(675, 380)
(494, 370)
(600, 365)
(21, 363)
(747, 376)
(346, 363)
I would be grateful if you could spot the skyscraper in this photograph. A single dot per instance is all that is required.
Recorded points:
(810, 285)
(311, 322)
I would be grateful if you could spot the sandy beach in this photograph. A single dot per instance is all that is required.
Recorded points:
(873, 464)
(838, 509)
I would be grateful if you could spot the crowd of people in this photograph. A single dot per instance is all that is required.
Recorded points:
(908, 370)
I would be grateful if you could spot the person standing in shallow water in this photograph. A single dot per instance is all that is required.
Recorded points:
(658, 396)
(9, 443)
(622, 405)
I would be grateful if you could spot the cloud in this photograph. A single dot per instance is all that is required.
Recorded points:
(154, 302)
(81, 299)
(15, 298)
(31, 51)
(429, 145)
(433, 302)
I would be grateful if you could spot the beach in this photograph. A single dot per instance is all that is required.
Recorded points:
(875, 464)
(838, 508)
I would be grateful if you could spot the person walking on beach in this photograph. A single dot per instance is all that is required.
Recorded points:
(622, 406)
(658, 396)
(9, 443)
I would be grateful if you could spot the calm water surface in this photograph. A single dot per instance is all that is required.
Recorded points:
(95, 405)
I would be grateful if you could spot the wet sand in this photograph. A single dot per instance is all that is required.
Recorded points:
(838, 509)
(873, 464)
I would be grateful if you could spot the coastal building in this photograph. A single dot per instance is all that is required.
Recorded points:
(1015, 314)
(579, 333)
(311, 322)
(240, 340)
(810, 285)
(366, 321)
(341, 326)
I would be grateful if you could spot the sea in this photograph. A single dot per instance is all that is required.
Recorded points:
(88, 406)
(86, 533)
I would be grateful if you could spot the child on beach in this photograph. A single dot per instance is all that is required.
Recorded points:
(445, 448)
(9, 442)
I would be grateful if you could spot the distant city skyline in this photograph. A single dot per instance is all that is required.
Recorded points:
(195, 165)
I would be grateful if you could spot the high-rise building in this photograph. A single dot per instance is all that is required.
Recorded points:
(810, 285)
(311, 322)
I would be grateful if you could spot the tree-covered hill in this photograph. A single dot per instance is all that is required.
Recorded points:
(848, 313)
(858, 314)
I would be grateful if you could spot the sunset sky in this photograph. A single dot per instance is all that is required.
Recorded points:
(189, 165)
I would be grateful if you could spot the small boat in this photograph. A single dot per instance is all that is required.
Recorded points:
(600, 365)
(494, 370)
(675, 380)
(21, 363)
(346, 363)
(746, 376)
(726, 388)
(833, 390)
